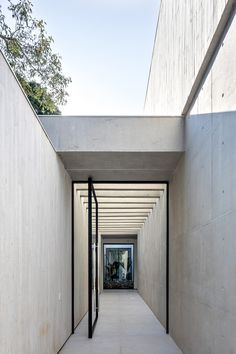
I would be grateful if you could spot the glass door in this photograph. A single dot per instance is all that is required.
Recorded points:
(118, 272)
(92, 258)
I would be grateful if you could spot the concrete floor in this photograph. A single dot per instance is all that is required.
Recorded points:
(126, 325)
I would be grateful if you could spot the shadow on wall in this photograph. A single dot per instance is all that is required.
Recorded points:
(202, 234)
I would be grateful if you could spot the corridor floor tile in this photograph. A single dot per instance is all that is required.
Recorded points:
(125, 325)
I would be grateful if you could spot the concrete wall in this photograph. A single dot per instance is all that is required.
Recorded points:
(203, 217)
(202, 198)
(80, 258)
(185, 31)
(35, 230)
(152, 260)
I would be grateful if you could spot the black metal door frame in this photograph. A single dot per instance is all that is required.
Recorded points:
(167, 243)
(91, 195)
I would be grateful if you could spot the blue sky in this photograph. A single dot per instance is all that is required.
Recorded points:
(106, 48)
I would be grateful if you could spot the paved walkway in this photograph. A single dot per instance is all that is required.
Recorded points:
(125, 325)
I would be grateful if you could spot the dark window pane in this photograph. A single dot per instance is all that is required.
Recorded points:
(118, 267)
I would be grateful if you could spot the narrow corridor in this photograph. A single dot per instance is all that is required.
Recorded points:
(126, 325)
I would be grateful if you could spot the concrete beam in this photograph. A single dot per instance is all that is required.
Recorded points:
(117, 148)
(114, 133)
(120, 194)
(127, 187)
(133, 200)
(112, 200)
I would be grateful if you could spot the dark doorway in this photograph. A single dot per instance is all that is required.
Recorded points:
(118, 270)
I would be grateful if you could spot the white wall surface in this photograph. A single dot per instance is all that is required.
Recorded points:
(203, 217)
(80, 258)
(35, 231)
(185, 30)
(152, 260)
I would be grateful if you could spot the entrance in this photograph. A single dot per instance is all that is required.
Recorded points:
(118, 272)
(110, 227)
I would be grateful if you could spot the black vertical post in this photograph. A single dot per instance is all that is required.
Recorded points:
(90, 326)
(167, 257)
(72, 259)
(96, 258)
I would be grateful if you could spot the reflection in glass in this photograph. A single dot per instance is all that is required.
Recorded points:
(118, 266)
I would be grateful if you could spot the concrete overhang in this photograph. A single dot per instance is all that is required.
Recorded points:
(113, 148)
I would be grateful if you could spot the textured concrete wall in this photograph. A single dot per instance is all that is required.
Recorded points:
(35, 231)
(185, 30)
(152, 260)
(203, 217)
(80, 259)
(202, 198)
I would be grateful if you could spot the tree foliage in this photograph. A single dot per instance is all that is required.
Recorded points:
(39, 98)
(28, 48)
